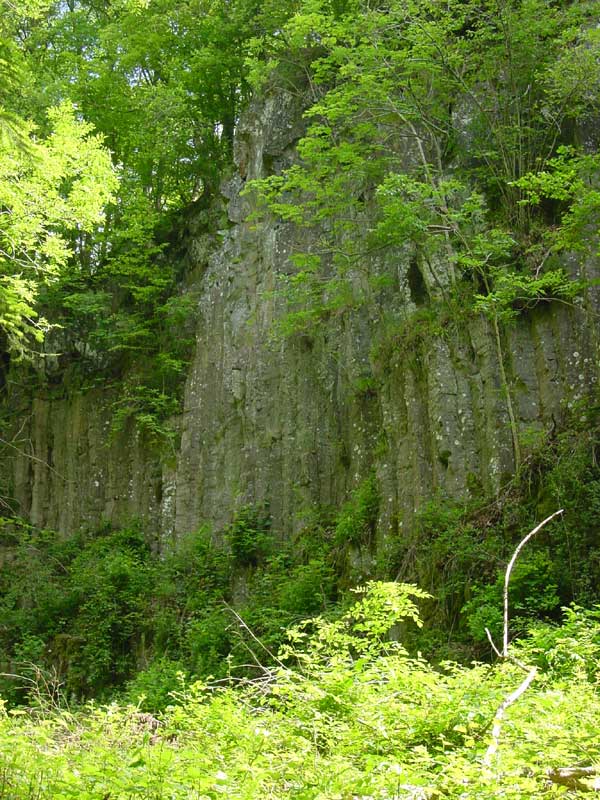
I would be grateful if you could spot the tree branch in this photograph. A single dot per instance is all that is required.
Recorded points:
(531, 671)
(511, 564)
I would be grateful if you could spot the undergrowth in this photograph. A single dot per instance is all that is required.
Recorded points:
(343, 712)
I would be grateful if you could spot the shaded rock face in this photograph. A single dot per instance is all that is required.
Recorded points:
(300, 423)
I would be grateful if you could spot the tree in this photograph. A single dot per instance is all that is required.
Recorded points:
(162, 82)
(54, 187)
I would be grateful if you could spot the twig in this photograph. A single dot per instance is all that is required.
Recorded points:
(34, 458)
(254, 636)
(491, 641)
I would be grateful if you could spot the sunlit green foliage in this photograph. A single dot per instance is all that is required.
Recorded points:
(49, 190)
(344, 713)
(161, 83)
(432, 125)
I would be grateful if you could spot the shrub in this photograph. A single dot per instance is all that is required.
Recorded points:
(533, 594)
(152, 688)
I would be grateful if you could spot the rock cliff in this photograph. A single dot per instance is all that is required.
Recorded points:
(299, 423)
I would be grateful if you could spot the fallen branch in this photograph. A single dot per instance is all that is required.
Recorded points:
(584, 779)
(511, 564)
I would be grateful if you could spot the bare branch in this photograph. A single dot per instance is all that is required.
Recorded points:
(30, 456)
(506, 703)
(491, 641)
(253, 635)
(509, 569)
(531, 671)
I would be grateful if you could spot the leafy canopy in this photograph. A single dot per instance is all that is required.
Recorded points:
(160, 83)
(52, 189)
(429, 126)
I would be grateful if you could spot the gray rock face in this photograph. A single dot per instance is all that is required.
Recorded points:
(299, 423)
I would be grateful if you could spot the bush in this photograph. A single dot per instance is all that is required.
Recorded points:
(152, 688)
(351, 714)
(569, 651)
(533, 595)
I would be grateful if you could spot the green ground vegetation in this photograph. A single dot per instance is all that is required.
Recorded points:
(342, 712)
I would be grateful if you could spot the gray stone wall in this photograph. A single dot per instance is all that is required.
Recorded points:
(295, 423)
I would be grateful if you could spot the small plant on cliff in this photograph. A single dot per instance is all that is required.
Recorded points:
(249, 535)
(356, 521)
(149, 409)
